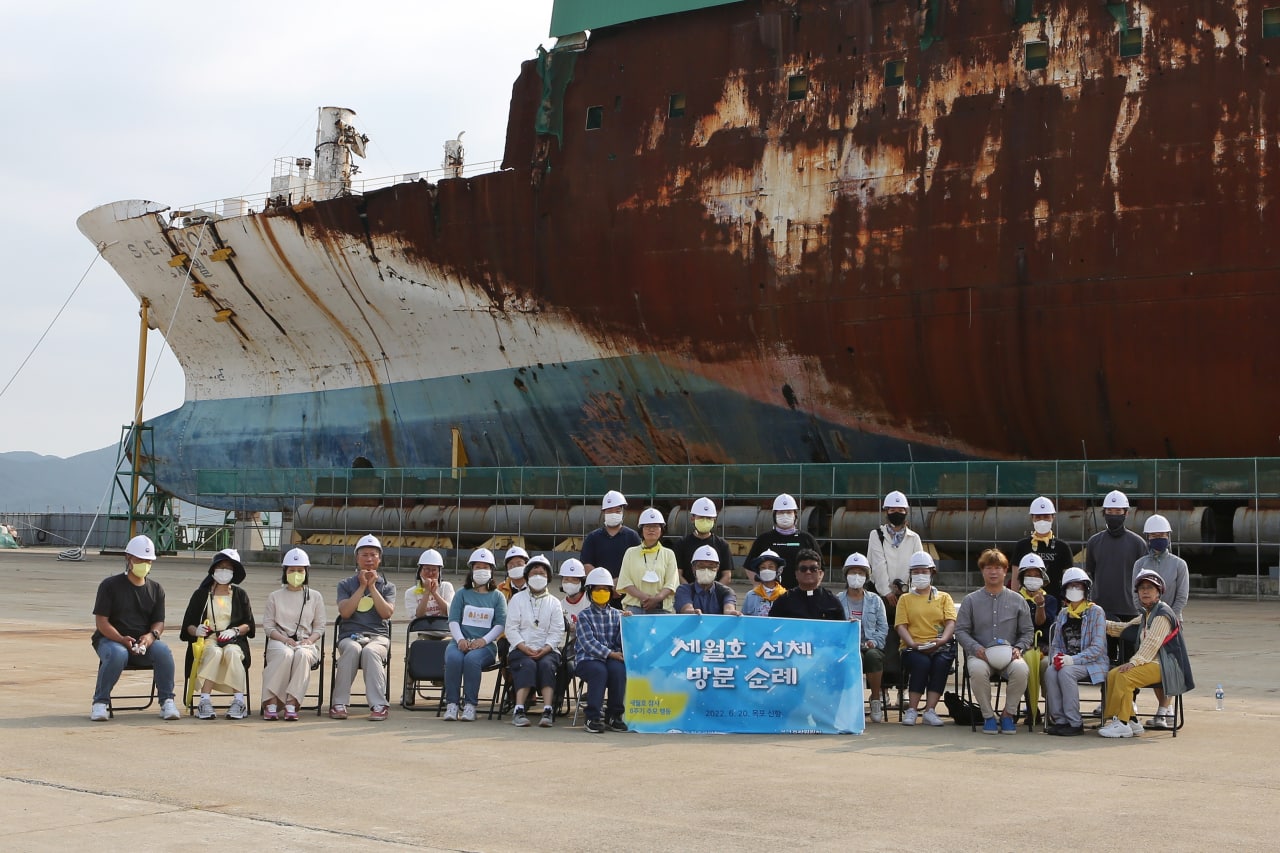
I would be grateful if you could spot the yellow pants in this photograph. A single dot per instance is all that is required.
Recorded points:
(1120, 687)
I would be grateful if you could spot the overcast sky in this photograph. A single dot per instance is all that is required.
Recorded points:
(182, 103)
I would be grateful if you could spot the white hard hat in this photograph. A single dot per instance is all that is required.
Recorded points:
(895, 500)
(999, 656)
(229, 553)
(703, 507)
(856, 560)
(921, 559)
(785, 503)
(482, 555)
(514, 551)
(1031, 561)
(600, 577)
(1042, 506)
(141, 547)
(1157, 524)
(1115, 500)
(431, 557)
(707, 553)
(1075, 574)
(369, 541)
(297, 557)
(651, 516)
(537, 561)
(612, 500)
(573, 568)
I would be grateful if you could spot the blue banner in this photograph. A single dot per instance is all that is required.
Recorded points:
(742, 674)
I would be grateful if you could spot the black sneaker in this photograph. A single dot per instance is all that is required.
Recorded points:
(616, 725)
(594, 727)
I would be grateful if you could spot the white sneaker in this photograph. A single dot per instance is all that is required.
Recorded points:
(1115, 728)
(877, 711)
(204, 711)
(468, 713)
(931, 717)
(1162, 720)
(169, 711)
(237, 711)
(1135, 727)
(909, 717)
(99, 712)
(451, 711)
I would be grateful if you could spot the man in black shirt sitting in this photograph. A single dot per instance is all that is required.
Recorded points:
(809, 600)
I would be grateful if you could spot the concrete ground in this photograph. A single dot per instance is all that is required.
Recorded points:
(415, 782)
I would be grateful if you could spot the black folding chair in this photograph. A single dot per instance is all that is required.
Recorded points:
(135, 663)
(424, 663)
(316, 666)
(333, 671)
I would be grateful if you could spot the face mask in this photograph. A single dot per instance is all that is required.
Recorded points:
(612, 519)
(571, 587)
(855, 580)
(784, 520)
(515, 572)
(222, 576)
(1114, 522)
(480, 577)
(704, 525)
(140, 569)
(705, 576)
(767, 575)
(1033, 584)
(650, 577)
(1160, 544)
(897, 519)
(920, 582)
(537, 583)
(296, 578)
(601, 596)
(1043, 527)
(1075, 594)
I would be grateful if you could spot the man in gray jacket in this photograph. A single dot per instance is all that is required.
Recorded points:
(994, 622)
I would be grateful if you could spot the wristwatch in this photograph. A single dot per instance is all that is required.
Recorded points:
(155, 633)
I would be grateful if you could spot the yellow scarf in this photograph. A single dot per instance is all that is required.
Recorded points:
(1076, 610)
(647, 551)
(1028, 596)
(768, 595)
(1036, 539)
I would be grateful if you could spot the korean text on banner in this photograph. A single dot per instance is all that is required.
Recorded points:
(734, 674)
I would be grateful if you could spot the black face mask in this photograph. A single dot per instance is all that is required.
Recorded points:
(1115, 523)
(897, 518)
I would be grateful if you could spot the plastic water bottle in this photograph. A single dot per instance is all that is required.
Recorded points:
(1218, 696)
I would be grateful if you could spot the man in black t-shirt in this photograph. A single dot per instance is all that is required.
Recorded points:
(129, 619)
(785, 539)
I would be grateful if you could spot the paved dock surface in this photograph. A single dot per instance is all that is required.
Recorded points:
(417, 783)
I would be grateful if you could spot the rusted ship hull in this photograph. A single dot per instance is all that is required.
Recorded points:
(960, 255)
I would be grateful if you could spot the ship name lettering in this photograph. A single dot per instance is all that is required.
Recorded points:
(150, 248)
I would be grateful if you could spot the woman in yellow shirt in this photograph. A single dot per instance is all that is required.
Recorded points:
(649, 575)
(925, 623)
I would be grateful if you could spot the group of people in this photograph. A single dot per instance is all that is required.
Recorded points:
(1054, 618)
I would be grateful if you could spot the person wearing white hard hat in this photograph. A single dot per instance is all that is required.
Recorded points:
(366, 601)
(706, 595)
(572, 583)
(513, 562)
(294, 622)
(128, 615)
(477, 618)
(702, 517)
(759, 600)
(536, 631)
(219, 620)
(1109, 558)
(1077, 652)
(889, 550)
(925, 621)
(608, 544)
(810, 599)
(994, 629)
(1173, 570)
(431, 595)
(1056, 555)
(649, 577)
(1161, 658)
(598, 657)
(786, 539)
(867, 609)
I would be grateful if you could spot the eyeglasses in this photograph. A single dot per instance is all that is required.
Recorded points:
(809, 568)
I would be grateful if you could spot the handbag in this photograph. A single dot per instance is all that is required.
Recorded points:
(962, 712)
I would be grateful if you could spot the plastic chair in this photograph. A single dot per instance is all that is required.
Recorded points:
(424, 664)
(317, 666)
(333, 671)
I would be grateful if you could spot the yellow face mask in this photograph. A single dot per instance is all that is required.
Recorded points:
(140, 570)
(601, 596)
(296, 578)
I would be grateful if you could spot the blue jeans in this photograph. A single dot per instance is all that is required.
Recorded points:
(600, 674)
(463, 671)
(112, 658)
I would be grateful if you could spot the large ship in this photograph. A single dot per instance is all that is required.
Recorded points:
(763, 231)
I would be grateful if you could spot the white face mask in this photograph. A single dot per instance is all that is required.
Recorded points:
(570, 587)
(612, 519)
(650, 577)
(705, 576)
(1043, 527)
(537, 583)
(1075, 594)
(784, 520)
(855, 580)
(1033, 584)
(767, 575)
(223, 576)
(921, 582)
(480, 577)
(515, 572)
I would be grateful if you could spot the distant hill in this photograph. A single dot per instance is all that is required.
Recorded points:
(30, 482)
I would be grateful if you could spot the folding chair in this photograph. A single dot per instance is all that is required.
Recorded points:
(333, 670)
(998, 679)
(424, 663)
(316, 666)
(136, 663)
(186, 678)
(503, 699)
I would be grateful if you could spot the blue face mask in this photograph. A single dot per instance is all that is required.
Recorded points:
(1159, 545)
